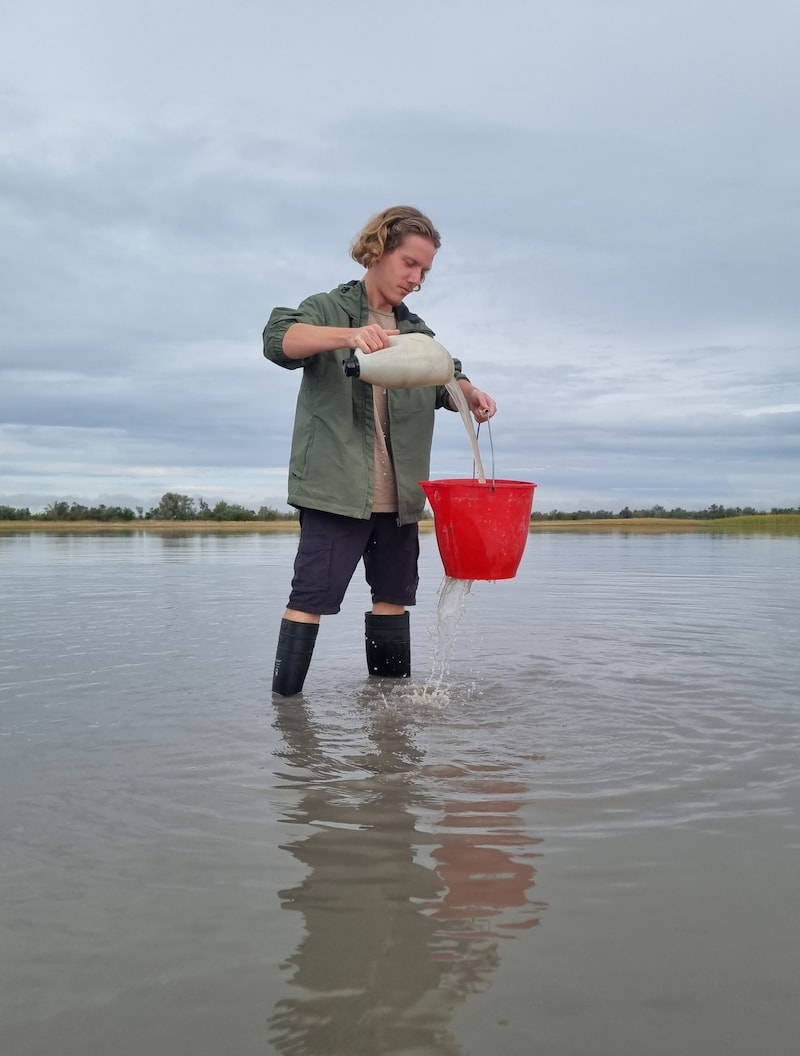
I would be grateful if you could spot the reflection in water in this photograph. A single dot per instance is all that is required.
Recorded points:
(415, 874)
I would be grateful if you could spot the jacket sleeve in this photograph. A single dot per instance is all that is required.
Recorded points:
(310, 311)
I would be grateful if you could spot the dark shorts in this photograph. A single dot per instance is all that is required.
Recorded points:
(330, 548)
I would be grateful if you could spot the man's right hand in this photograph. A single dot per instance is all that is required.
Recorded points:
(371, 338)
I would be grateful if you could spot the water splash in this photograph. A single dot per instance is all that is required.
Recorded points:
(460, 401)
(450, 610)
(406, 698)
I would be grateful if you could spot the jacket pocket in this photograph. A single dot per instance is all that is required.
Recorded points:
(302, 444)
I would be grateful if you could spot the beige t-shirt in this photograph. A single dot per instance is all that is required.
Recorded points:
(385, 483)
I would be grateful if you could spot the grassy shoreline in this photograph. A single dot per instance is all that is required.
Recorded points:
(776, 523)
(149, 526)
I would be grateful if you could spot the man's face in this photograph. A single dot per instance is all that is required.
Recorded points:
(402, 269)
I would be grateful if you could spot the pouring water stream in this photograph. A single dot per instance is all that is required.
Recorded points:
(460, 401)
(453, 593)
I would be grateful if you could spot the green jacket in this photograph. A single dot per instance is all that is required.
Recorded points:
(331, 467)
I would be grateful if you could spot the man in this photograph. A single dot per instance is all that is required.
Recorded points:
(358, 451)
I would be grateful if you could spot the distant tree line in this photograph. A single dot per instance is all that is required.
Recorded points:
(172, 507)
(177, 507)
(710, 513)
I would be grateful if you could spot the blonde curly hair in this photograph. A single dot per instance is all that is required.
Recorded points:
(387, 230)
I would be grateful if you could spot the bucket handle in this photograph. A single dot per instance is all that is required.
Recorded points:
(491, 448)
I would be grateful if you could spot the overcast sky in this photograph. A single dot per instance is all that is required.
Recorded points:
(617, 184)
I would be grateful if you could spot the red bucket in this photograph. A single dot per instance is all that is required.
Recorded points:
(481, 529)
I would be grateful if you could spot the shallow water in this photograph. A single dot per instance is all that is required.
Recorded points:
(575, 830)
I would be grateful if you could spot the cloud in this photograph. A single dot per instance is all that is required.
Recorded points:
(615, 186)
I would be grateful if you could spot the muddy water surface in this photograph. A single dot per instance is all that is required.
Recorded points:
(574, 831)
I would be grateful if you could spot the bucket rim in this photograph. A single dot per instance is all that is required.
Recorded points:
(495, 482)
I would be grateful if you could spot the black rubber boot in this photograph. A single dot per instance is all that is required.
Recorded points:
(295, 646)
(388, 645)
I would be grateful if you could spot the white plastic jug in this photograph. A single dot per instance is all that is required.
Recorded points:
(410, 360)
